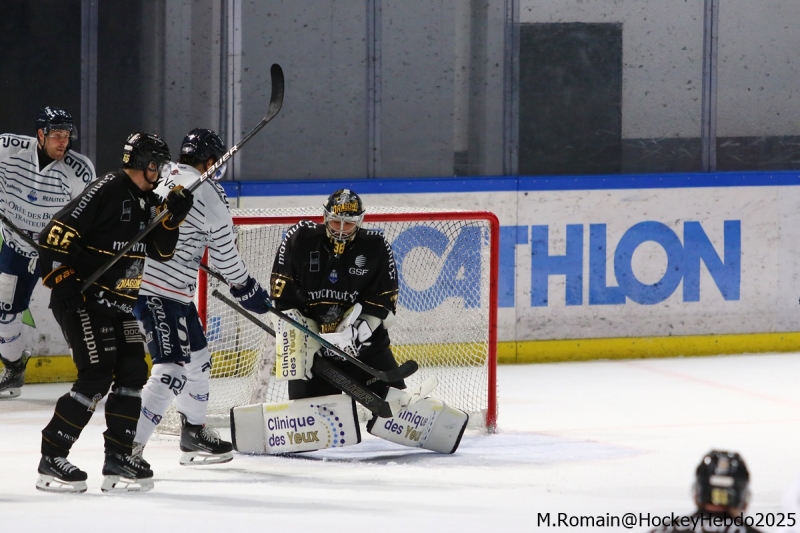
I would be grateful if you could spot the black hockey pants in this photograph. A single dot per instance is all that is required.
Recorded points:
(107, 350)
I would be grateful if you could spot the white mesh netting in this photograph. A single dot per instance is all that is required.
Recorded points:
(443, 318)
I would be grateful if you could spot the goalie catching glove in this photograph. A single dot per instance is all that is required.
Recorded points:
(252, 296)
(353, 333)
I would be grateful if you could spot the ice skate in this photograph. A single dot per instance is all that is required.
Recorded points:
(202, 445)
(14, 376)
(57, 474)
(126, 473)
(138, 451)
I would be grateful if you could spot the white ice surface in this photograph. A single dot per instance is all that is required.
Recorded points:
(599, 438)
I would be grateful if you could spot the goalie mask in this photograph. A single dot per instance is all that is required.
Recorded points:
(722, 479)
(199, 146)
(344, 214)
(145, 151)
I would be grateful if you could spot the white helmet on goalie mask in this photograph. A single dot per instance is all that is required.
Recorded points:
(344, 214)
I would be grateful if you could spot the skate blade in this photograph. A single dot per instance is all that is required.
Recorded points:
(201, 458)
(8, 394)
(53, 484)
(117, 484)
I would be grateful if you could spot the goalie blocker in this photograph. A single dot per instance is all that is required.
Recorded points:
(332, 422)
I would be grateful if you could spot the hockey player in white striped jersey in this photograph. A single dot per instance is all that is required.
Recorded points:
(38, 176)
(168, 317)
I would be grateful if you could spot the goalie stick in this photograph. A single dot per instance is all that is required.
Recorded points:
(324, 369)
(388, 376)
(275, 103)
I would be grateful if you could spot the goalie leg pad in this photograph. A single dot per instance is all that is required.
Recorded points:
(294, 349)
(427, 424)
(302, 425)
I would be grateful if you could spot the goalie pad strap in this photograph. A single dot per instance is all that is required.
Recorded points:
(302, 425)
(427, 424)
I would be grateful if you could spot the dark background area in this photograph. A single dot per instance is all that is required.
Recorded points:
(40, 50)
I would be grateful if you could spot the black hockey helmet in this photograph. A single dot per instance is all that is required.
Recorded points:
(722, 480)
(200, 145)
(343, 206)
(141, 149)
(54, 118)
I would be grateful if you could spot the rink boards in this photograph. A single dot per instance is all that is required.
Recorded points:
(604, 266)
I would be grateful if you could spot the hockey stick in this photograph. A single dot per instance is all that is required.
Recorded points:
(389, 376)
(22, 235)
(275, 103)
(327, 371)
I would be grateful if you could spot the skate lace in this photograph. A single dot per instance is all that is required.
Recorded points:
(64, 464)
(138, 450)
(210, 434)
(133, 461)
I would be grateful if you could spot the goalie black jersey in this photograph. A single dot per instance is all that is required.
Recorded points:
(307, 276)
(93, 227)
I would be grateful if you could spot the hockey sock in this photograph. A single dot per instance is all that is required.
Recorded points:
(11, 337)
(193, 401)
(166, 382)
(122, 415)
(73, 411)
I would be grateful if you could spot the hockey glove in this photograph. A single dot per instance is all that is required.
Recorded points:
(66, 292)
(179, 203)
(85, 263)
(351, 339)
(252, 296)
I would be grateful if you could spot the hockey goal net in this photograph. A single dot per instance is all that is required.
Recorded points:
(446, 315)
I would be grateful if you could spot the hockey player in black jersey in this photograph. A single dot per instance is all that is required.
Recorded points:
(341, 280)
(322, 270)
(721, 493)
(99, 324)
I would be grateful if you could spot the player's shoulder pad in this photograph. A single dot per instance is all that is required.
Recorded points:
(11, 144)
(80, 166)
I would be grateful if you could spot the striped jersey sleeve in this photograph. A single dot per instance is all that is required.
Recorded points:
(208, 225)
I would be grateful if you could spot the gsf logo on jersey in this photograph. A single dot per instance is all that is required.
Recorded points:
(358, 270)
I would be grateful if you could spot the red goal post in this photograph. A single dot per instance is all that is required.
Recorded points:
(447, 263)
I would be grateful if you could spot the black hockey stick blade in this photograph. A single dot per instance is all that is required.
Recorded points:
(275, 104)
(348, 385)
